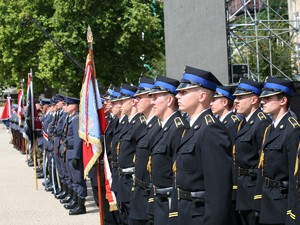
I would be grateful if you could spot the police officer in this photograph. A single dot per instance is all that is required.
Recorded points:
(123, 120)
(204, 164)
(60, 118)
(109, 212)
(74, 160)
(222, 106)
(129, 138)
(247, 146)
(142, 186)
(279, 149)
(164, 146)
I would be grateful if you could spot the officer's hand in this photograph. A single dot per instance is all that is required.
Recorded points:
(75, 163)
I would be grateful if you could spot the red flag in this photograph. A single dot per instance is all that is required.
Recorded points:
(20, 103)
(6, 114)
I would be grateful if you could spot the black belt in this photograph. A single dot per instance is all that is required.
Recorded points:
(194, 196)
(163, 192)
(126, 171)
(114, 164)
(246, 172)
(275, 183)
(145, 185)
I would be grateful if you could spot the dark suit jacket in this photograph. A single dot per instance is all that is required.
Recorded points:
(280, 149)
(248, 143)
(204, 163)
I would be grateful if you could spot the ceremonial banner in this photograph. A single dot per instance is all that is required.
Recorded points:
(32, 120)
(20, 103)
(6, 114)
(92, 121)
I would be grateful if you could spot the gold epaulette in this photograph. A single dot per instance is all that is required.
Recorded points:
(261, 116)
(235, 118)
(178, 122)
(143, 119)
(293, 122)
(209, 119)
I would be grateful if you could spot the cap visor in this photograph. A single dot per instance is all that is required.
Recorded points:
(268, 93)
(242, 92)
(184, 86)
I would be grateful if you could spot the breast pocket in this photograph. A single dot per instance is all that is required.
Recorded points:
(160, 157)
(127, 138)
(143, 144)
(275, 155)
(246, 138)
(189, 160)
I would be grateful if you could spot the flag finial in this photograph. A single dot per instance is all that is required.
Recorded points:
(89, 36)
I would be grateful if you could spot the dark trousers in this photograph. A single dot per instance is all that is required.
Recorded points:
(248, 218)
(137, 222)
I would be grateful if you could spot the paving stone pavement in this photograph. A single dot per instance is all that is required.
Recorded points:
(21, 203)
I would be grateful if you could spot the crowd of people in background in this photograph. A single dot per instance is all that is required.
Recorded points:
(180, 152)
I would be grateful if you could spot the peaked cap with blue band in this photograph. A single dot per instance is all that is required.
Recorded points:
(275, 86)
(144, 86)
(44, 101)
(53, 101)
(127, 91)
(59, 97)
(108, 92)
(113, 94)
(246, 87)
(164, 84)
(224, 91)
(70, 100)
(193, 77)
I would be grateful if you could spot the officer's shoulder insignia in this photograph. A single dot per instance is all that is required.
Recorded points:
(261, 116)
(235, 118)
(209, 119)
(178, 122)
(293, 122)
(142, 119)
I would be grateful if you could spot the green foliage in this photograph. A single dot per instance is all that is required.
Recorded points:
(117, 28)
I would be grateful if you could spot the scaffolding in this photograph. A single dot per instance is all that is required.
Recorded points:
(252, 35)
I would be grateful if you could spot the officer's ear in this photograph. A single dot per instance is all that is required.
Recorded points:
(171, 99)
(255, 99)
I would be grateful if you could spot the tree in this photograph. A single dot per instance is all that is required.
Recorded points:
(117, 27)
